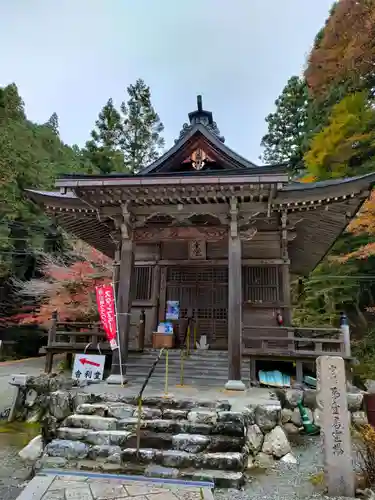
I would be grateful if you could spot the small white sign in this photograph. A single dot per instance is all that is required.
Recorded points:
(88, 367)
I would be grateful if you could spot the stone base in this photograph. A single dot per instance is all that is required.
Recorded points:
(235, 385)
(115, 379)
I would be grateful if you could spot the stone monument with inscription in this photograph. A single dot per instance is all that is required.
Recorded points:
(335, 427)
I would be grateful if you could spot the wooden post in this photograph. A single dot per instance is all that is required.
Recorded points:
(163, 293)
(345, 335)
(51, 339)
(124, 303)
(153, 324)
(234, 304)
(285, 272)
(142, 331)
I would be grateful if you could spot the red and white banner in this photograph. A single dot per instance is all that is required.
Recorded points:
(106, 306)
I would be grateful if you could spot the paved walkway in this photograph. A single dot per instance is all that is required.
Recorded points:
(55, 485)
(31, 366)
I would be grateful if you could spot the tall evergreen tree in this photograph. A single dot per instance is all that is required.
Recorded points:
(142, 142)
(53, 123)
(129, 139)
(288, 126)
(105, 147)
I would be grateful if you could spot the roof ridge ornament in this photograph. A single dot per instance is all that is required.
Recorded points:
(202, 117)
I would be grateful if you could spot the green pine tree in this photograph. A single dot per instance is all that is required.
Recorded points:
(288, 126)
(12, 106)
(53, 123)
(105, 147)
(142, 142)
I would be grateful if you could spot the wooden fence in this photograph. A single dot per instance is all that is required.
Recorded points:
(294, 341)
(76, 337)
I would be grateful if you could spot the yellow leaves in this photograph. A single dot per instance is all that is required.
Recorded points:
(348, 135)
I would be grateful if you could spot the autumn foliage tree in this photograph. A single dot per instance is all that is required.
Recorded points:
(345, 51)
(346, 146)
(68, 288)
(338, 140)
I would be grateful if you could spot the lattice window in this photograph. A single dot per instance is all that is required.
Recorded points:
(142, 283)
(260, 284)
(197, 275)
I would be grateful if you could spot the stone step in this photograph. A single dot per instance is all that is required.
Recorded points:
(197, 422)
(194, 353)
(176, 365)
(177, 361)
(220, 478)
(150, 439)
(176, 375)
(162, 403)
(192, 370)
(182, 459)
(78, 450)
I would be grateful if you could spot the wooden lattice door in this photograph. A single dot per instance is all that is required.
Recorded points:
(202, 291)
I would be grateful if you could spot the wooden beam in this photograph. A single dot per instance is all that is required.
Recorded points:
(194, 208)
(182, 233)
(209, 262)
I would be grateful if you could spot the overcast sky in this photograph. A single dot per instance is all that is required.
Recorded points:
(70, 56)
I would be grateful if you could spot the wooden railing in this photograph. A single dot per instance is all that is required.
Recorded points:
(294, 342)
(75, 337)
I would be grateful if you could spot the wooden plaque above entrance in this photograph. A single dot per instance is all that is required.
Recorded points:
(155, 234)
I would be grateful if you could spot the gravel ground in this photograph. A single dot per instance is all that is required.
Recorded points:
(286, 481)
(13, 473)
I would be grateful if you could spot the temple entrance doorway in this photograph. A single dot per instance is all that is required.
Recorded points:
(203, 293)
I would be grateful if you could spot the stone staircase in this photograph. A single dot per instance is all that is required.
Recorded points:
(209, 368)
(177, 439)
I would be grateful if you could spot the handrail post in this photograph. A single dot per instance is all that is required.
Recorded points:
(51, 339)
(142, 330)
(166, 373)
(140, 394)
(291, 340)
(345, 335)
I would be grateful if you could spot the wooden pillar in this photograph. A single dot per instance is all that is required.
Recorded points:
(124, 303)
(163, 293)
(234, 304)
(155, 300)
(285, 272)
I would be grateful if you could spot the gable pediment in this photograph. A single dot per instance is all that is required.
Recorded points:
(198, 151)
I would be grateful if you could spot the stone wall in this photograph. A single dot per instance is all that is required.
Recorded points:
(266, 439)
(290, 415)
(33, 402)
(183, 435)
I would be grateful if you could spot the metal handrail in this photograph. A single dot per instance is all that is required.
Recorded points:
(140, 394)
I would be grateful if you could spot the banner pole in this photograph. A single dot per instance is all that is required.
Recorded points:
(118, 334)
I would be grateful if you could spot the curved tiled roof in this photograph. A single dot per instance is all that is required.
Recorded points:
(319, 211)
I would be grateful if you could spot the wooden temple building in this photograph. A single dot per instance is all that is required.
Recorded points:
(206, 227)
